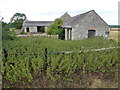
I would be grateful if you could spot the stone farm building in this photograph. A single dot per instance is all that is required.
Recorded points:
(81, 26)
(36, 26)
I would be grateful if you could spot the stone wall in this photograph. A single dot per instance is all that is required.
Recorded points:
(91, 20)
(46, 28)
(33, 29)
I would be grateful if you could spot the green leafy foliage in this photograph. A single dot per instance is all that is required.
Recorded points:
(55, 27)
(61, 67)
(17, 20)
(6, 33)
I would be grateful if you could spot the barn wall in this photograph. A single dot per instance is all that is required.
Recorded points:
(33, 29)
(24, 29)
(91, 20)
(46, 28)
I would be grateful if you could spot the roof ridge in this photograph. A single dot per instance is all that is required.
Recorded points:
(66, 14)
(88, 12)
(84, 13)
(36, 21)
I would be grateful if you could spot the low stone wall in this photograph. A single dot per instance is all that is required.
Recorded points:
(42, 35)
(18, 31)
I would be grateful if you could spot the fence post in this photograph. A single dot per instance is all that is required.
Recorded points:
(5, 54)
(45, 61)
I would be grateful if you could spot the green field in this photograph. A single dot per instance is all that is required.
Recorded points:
(63, 70)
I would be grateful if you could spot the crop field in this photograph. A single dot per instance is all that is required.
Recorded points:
(115, 34)
(29, 65)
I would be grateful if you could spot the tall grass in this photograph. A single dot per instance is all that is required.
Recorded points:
(37, 44)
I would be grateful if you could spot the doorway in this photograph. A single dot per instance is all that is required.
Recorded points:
(91, 33)
(27, 29)
(40, 29)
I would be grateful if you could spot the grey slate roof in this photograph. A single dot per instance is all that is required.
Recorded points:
(74, 20)
(65, 17)
(36, 23)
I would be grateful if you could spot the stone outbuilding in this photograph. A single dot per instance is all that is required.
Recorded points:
(36, 26)
(84, 25)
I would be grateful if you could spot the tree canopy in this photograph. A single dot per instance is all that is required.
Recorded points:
(17, 20)
(6, 33)
(55, 27)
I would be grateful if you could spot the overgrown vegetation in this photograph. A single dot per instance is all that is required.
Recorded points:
(55, 27)
(63, 70)
(8, 29)
(6, 33)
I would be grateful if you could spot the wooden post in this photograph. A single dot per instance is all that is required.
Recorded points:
(45, 61)
(5, 54)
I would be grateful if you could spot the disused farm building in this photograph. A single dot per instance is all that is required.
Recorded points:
(81, 26)
(36, 26)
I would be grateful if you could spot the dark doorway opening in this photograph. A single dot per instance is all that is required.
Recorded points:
(91, 33)
(70, 33)
(40, 29)
(67, 34)
(27, 29)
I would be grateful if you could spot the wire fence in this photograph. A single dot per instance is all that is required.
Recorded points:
(67, 52)
(46, 54)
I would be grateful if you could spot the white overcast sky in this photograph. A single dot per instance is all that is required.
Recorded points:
(47, 10)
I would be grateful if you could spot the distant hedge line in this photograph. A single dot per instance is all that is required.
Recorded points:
(114, 26)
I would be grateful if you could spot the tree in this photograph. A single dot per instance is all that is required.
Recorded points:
(55, 27)
(17, 20)
(6, 33)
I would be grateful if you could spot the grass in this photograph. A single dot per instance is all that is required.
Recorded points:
(36, 44)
